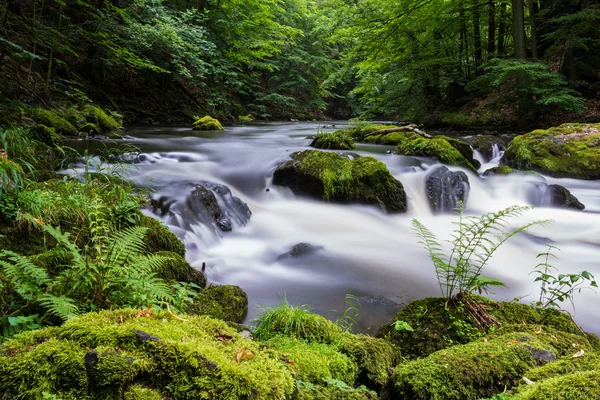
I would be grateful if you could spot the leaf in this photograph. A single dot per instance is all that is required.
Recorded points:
(243, 354)
(579, 354)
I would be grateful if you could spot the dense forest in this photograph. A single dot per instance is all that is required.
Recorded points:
(299, 199)
(463, 63)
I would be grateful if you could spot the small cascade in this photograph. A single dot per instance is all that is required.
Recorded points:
(497, 154)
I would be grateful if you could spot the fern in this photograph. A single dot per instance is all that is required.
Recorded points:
(474, 242)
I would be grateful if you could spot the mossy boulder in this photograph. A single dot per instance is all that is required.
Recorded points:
(160, 238)
(246, 118)
(331, 390)
(574, 386)
(470, 371)
(506, 170)
(226, 302)
(179, 270)
(207, 123)
(331, 177)
(446, 150)
(486, 144)
(333, 141)
(46, 135)
(51, 119)
(364, 129)
(118, 353)
(139, 392)
(570, 150)
(100, 118)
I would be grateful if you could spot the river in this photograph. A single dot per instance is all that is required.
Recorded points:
(365, 252)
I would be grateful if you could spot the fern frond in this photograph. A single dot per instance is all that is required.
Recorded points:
(60, 306)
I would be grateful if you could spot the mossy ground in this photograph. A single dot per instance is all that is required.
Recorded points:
(226, 302)
(570, 150)
(331, 177)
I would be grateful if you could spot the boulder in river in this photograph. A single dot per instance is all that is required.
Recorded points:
(487, 145)
(446, 189)
(331, 177)
(300, 250)
(208, 203)
(570, 150)
(338, 140)
(557, 196)
(207, 123)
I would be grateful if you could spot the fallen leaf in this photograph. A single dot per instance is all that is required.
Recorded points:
(243, 354)
(528, 381)
(514, 342)
(575, 345)
(224, 337)
(579, 354)
(538, 329)
(485, 340)
(121, 318)
(554, 338)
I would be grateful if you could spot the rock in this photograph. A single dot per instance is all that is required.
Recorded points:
(545, 195)
(207, 123)
(144, 337)
(570, 150)
(506, 170)
(542, 355)
(331, 177)
(333, 141)
(487, 145)
(300, 250)
(448, 151)
(445, 190)
(27, 122)
(123, 158)
(206, 195)
(226, 302)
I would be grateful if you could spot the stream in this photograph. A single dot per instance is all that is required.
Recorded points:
(365, 252)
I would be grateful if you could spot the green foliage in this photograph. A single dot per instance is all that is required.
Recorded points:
(352, 308)
(294, 321)
(474, 242)
(401, 326)
(532, 85)
(562, 287)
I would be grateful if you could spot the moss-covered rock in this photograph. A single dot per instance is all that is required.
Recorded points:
(100, 118)
(315, 362)
(179, 270)
(139, 392)
(117, 353)
(470, 371)
(485, 144)
(339, 140)
(375, 358)
(506, 170)
(438, 147)
(364, 129)
(570, 150)
(160, 238)
(575, 386)
(89, 129)
(246, 118)
(46, 135)
(331, 177)
(226, 302)
(52, 119)
(207, 123)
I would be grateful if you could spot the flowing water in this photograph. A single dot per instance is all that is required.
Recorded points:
(370, 254)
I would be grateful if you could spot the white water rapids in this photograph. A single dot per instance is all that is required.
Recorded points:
(374, 255)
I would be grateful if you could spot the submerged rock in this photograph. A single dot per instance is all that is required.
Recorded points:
(446, 189)
(570, 150)
(331, 177)
(300, 250)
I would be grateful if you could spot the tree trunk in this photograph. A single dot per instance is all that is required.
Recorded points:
(51, 53)
(491, 45)
(464, 43)
(477, 51)
(532, 4)
(518, 29)
(502, 29)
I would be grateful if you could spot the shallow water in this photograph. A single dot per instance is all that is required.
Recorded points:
(373, 255)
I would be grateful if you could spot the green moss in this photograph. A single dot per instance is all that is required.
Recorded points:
(160, 238)
(185, 358)
(246, 118)
(570, 150)
(332, 390)
(314, 362)
(375, 357)
(576, 386)
(51, 120)
(46, 135)
(179, 270)
(331, 177)
(470, 371)
(99, 117)
(90, 129)
(226, 302)
(463, 148)
(436, 147)
(506, 170)
(435, 327)
(360, 132)
(333, 141)
(138, 392)
(297, 322)
(567, 365)
(207, 123)
(522, 314)
(48, 365)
